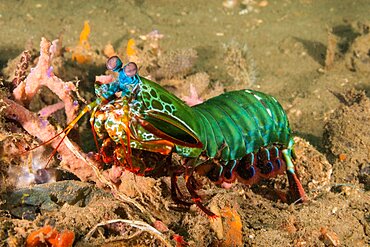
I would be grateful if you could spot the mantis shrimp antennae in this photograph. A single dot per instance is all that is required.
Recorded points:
(66, 130)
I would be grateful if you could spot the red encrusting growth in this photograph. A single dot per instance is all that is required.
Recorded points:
(48, 235)
(180, 242)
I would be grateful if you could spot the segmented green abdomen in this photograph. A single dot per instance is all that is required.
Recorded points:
(240, 122)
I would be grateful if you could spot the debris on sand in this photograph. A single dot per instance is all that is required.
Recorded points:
(347, 133)
(239, 65)
(358, 57)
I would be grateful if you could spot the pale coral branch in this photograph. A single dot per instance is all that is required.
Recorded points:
(44, 131)
(42, 75)
(55, 48)
(50, 109)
